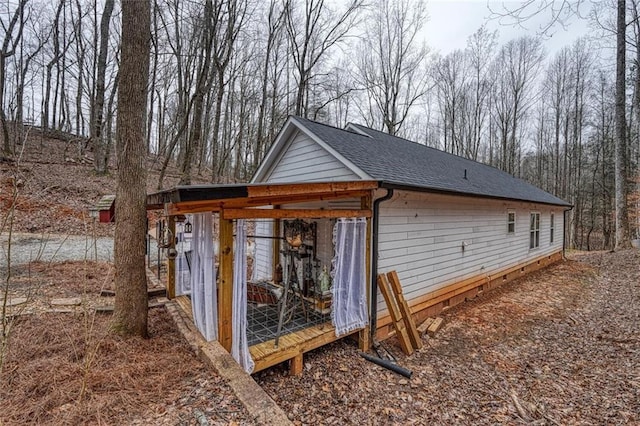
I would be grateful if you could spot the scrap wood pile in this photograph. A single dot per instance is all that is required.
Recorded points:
(560, 346)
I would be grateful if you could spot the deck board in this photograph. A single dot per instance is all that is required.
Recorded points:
(266, 355)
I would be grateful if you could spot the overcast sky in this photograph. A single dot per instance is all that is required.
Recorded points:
(451, 22)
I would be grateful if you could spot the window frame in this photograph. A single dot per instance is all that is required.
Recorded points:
(510, 223)
(534, 230)
(552, 227)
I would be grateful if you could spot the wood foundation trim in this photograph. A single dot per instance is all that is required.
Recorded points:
(431, 304)
(257, 402)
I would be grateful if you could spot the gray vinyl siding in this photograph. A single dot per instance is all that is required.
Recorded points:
(304, 160)
(421, 236)
(263, 258)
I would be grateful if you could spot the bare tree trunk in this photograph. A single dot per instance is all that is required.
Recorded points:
(9, 45)
(623, 239)
(204, 67)
(96, 138)
(81, 59)
(130, 310)
(56, 57)
(154, 74)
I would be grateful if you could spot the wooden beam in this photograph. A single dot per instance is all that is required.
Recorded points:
(291, 213)
(225, 284)
(275, 261)
(171, 263)
(292, 198)
(218, 204)
(175, 209)
(309, 188)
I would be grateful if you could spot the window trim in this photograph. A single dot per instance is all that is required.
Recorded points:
(510, 212)
(534, 230)
(552, 227)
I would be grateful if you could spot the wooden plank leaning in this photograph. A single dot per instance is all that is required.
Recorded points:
(410, 325)
(396, 316)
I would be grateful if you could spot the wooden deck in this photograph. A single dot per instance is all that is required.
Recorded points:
(291, 346)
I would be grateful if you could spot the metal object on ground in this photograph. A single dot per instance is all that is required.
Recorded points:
(387, 364)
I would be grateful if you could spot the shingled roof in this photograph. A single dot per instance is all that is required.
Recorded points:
(399, 162)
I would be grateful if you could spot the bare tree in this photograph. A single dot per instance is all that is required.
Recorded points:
(312, 33)
(275, 20)
(391, 63)
(623, 238)
(130, 309)
(228, 21)
(203, 79)
(12, 37)
(56, 55)
(515, 70)
(37, 38)
(480, 48)
(451, 83)
(98, 146)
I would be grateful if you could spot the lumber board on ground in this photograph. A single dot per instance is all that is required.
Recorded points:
(396, 317)
(151, 305)
(435, 326)
(422, 328)
(410, 325)
(154, 292)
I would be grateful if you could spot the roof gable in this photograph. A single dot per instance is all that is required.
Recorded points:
(286, 137)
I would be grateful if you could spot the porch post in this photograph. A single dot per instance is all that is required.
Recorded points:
(276, 246)
(171, 262)
(364, 341)
(225, 283)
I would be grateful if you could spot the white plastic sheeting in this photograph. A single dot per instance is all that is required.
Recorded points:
(204, 300)
(349, 272)
(239, 345)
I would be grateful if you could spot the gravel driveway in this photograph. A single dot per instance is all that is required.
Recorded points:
(54, 247)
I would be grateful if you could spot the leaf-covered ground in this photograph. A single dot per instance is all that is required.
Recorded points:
(66, 368)
(51, 185)
(561, 346)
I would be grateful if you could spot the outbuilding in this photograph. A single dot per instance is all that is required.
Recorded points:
(332, 208)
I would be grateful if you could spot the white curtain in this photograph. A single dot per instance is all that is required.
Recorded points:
(263, 253)
(349, 272)
(204, 300)
(183, 247)
(239, 345)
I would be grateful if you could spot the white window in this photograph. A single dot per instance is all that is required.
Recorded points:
(551, 228)
(511, 221)
(534, 231)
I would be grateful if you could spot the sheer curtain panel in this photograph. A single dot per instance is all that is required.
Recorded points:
(239, 345)
(204, 299)
(349, 272)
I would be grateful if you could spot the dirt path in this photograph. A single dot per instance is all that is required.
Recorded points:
(558, 347)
